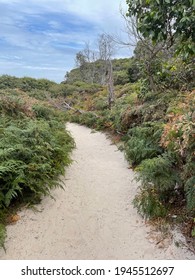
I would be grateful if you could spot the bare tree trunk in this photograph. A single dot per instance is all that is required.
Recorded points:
(106, 49)
(111, 95)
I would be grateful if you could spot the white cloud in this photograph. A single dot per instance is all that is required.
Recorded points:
(41, 37)
(44, 68)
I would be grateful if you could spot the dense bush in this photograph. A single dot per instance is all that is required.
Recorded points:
(148, 204)
(121, 78)
(7, 82)
(87, 118)
(159, 172)
(25, 83)
(33, 154)
(178, 138)
(14, 106)
(34, 150)
(143, 142)
(62, 90)
(159, 184)
(38, 94)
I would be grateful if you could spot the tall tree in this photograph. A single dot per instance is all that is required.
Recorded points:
(166, 20)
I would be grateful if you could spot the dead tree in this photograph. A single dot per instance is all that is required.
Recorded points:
(106, 50)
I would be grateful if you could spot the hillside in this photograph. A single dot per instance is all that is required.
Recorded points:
(83, 73)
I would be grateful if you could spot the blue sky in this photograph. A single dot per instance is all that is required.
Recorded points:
(40, 38)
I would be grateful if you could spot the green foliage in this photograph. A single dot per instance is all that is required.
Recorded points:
(34, 145)
(13, 106)
(25, 83)
(159, 171)
(28, 84)
(121, 78)
(178, 138)
(8, 82)
(38, 94)
(2, 235)
(83, 87)
(91, 72)
(121, 73)
(148, 204)
(134, 72)
(87, 118)
(190, 193)
(166, 21)
(193, 230)
(143, 142)
(44, 112)
(176, 74)
(160, 183)
(101, 103)
(62, 90)
(32, 155)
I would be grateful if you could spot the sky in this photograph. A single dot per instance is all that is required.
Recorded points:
(40, 38)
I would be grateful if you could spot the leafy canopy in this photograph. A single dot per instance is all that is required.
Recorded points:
(166, 20)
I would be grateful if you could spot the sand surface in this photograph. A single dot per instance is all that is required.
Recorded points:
(92, 218)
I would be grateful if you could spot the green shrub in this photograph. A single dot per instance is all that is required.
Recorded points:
(62, 90)
(27, 84)
(159, 172)
(42, 111)
(101, 103)
(190, 193)
(12, 105)
(31, 158)
(148, 204)
(39, 94)
(88, 119)
(143, 142)
(160, 183)
(86, 87)
(7, 82)
(121, 77)
(2, 235)
(34, 145)
(138, 150)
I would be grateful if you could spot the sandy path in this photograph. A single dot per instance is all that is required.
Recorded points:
(93, 218)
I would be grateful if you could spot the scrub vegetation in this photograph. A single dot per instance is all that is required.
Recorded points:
(147, 100)
(153, 106)
(34, 145)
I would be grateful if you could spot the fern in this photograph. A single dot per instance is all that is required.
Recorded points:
(143, 143)
(33, 153)
(190, 193)
(159, 171)
(158, 180)
(137, 150)
(148, 204)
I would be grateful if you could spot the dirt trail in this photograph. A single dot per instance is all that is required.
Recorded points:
(93, 218)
